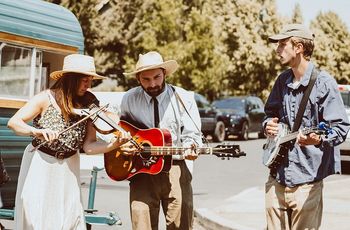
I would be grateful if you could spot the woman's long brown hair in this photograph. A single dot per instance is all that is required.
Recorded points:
(66, 95)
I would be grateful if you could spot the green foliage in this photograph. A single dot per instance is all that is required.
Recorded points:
(221, 46)
(245, 26)
(332, 44)
(86, 13)
(297, 15)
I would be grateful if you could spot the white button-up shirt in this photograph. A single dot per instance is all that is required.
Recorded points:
(137, 108)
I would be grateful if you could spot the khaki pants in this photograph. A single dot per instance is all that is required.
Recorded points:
(172, 190)
(296, 208)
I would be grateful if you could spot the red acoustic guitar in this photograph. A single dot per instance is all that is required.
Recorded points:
(155, 153)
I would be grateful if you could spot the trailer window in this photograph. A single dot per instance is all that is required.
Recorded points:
(17, 68)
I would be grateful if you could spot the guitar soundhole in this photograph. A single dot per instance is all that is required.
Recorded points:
(146, 154)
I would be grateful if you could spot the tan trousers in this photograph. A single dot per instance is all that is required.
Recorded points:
(172, 190)
(296, 208)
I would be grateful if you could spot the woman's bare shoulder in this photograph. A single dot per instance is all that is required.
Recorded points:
(41, 98)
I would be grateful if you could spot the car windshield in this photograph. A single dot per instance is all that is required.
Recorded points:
(230, 103)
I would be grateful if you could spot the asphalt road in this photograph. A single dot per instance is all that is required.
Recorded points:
(214, 181)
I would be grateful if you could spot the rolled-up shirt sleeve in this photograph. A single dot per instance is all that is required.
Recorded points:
(330, 111)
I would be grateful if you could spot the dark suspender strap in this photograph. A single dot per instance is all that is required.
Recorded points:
(304, 100)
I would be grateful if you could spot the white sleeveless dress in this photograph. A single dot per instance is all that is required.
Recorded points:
(48, 193)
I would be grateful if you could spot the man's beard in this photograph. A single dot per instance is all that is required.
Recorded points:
(154, 91)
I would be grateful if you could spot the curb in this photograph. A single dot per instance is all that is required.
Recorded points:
(336, 205)
(212, 221)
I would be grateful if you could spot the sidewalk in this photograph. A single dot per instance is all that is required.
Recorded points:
(245, 211)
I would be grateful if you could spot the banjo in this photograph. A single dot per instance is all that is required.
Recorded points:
(276, 148)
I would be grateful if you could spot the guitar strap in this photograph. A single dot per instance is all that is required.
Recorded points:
(304, 100)
(301, 110)
(183, 105)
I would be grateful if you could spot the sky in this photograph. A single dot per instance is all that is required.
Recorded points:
(311, 8)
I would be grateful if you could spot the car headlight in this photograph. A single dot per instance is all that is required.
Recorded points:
(235, 117)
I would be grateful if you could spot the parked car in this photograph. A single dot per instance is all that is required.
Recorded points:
(244, 115)
(345, 146)
(211, 118)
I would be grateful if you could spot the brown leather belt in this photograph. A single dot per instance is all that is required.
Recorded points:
(57, 154)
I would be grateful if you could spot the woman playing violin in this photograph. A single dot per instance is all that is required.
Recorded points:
(48, 193)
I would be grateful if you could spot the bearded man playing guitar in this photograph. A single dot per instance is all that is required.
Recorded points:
(293, 192)
(155, 104)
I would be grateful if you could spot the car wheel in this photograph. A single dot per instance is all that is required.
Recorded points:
(261, 135)
(244, 132)
(219, 132)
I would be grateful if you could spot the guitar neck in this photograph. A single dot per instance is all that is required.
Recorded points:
(169, 151)
(289, 137)
(292, 136)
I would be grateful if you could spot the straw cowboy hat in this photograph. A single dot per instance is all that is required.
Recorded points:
(153, 60)
(77, 63)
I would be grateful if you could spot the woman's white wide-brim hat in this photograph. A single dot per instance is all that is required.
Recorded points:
(77, 63)
(153, 60)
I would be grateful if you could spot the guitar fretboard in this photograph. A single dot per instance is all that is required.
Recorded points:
(294, 135)
(169, 151)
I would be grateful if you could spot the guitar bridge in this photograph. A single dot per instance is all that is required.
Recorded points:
(148, 162)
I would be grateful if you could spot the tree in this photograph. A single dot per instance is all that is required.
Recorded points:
(221, 46)
(116, 25)
(86, 13)
(332, 44)
(297, 16)
(245, 26)
(188, 39)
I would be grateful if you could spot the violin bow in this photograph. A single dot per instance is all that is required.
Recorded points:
(75, 124)
(113, 124)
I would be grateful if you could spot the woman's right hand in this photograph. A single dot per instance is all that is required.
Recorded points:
(44, 134)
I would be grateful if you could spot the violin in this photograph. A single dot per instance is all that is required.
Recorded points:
(102, 123)
(75, 124)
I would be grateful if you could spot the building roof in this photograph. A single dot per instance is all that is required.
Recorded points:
(41, 20)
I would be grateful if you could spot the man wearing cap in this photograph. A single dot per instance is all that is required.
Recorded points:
(293, 192)
(157, 104)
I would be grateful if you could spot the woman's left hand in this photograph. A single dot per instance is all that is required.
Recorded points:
(120, 139)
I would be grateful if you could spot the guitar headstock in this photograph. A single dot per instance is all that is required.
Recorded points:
(321, 129)
(227, 151)
(326, 128)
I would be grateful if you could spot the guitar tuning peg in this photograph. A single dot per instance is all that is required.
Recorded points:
(228, 158)
(222, 158)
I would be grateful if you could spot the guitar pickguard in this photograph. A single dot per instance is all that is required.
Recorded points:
(120, 167)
